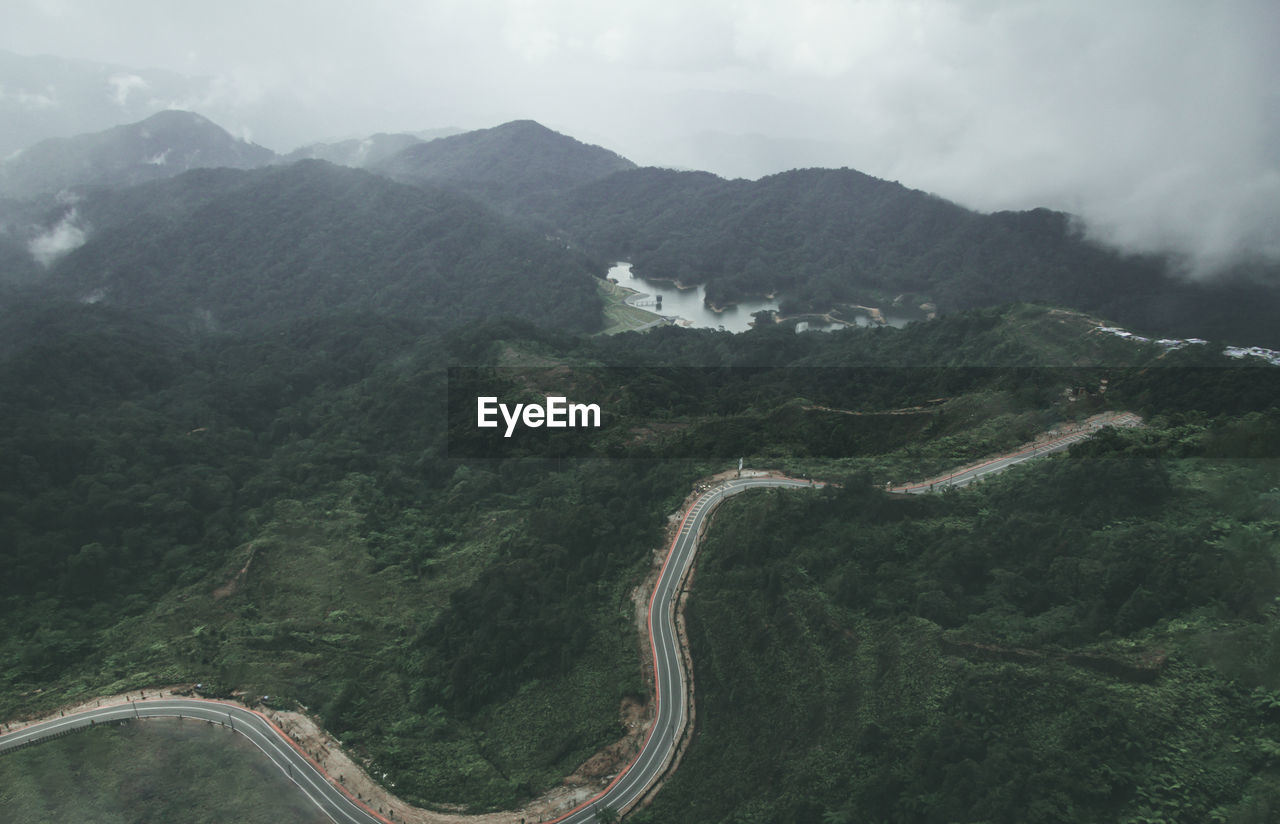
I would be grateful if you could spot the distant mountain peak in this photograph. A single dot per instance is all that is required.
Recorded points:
(162, 145)
(177, 117)
(525, 123)
(506, 165)
(526, 128)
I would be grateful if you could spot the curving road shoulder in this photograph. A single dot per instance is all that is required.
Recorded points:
(969, 474)
(670, 694)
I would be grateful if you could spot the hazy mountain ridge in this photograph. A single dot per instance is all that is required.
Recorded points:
(360, 152)
(222, 247)
(819, 237)
(163, 145)
(356, 153)
(815, 237)
(507, 166)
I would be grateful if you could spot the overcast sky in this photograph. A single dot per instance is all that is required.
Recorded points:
(1158, 122)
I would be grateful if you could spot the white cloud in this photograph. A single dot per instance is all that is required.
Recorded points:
(64, 237)
(1158, 121)
(37, 100)
(123, 84)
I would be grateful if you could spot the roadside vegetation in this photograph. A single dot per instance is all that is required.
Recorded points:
(1088, 638)
(280, 512)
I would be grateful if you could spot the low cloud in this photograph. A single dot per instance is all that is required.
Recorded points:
(29, 100)
(122, 85)
(1156, 121)
(63, 237)
(1212, 221)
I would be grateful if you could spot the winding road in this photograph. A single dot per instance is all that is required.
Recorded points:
(671, 693)
(969, 474)
(630, 784)
(669, 675)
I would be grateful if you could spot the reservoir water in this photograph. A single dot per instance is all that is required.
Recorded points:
(688, 305)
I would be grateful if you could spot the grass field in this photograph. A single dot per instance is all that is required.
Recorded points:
(155, 770)
(619, 317)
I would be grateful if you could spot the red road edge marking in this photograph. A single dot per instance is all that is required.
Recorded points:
(337, 785)
(657, 688)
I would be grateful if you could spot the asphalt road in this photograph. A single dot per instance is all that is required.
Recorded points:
(629, 785)
(669, 675)
(963, 477)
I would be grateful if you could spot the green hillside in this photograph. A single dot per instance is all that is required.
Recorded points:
(1090, 639)
(820, 238)
(223, 250)
(277, 511)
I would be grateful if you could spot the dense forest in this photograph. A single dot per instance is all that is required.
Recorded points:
(1090, 639)
(277, 510)
(222, 249)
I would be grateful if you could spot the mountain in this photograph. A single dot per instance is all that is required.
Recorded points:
(508, 166)
(821, 238)
(233, 249)
(365, 151)
(163, 145)
(45, 96)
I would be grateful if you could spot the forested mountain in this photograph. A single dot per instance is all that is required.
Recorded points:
(17, 265)
(508, 166)
(817, 238)
(820, 237)
(356, 153)
(230, 249)
(163, 145)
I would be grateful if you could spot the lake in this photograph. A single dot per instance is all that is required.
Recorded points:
(688, 305)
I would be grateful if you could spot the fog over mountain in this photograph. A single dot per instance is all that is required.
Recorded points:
(165, 144)
(1157, 122)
